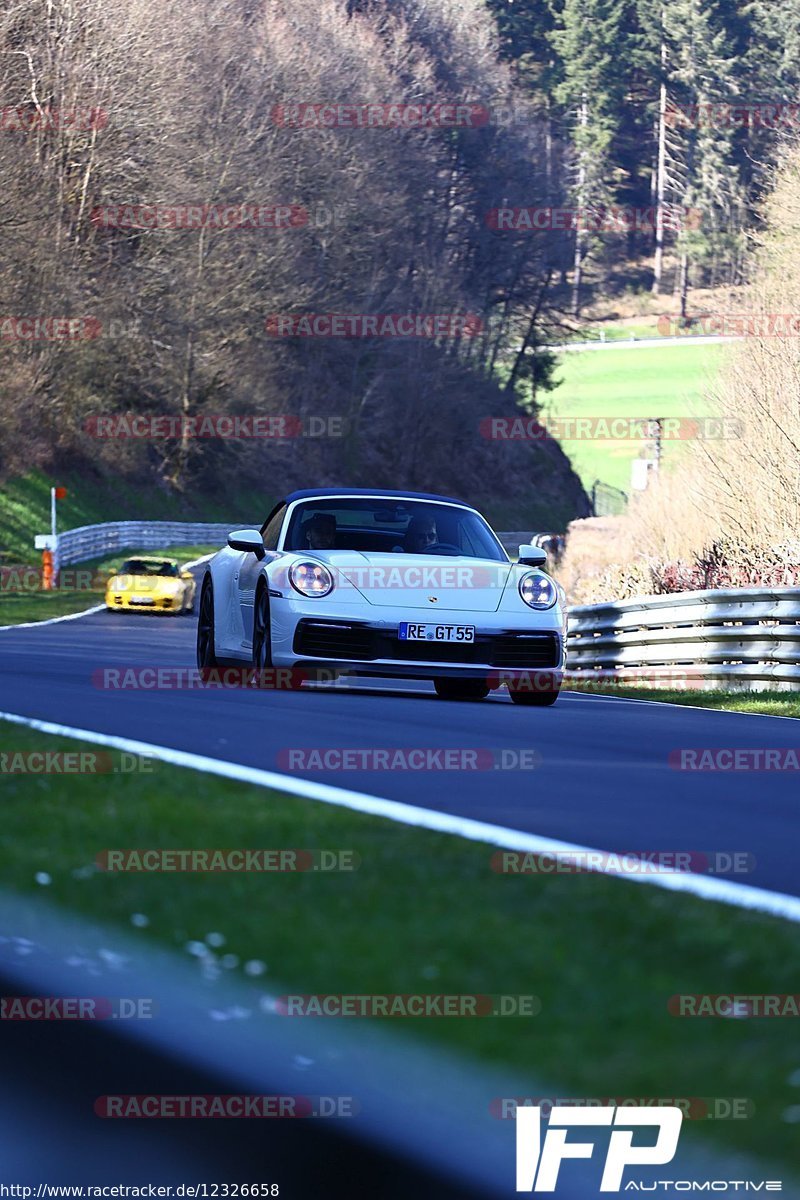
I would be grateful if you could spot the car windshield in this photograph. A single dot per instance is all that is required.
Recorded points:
(148, 566)
(368, 523)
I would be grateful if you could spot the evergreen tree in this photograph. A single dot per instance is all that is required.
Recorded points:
(591, 41)
(697, 167)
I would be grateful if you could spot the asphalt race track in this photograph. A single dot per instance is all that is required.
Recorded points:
(604, 779)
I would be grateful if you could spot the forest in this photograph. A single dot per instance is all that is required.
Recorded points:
(175, 189)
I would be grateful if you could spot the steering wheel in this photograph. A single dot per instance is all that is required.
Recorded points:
(441, 547)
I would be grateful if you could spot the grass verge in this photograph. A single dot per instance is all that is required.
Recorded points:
(25, 507)
(424, 913)
(771, 704)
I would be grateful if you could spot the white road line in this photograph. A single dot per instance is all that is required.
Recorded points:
(197, 561)
(87, 612)
(735, 894)
(54, 620)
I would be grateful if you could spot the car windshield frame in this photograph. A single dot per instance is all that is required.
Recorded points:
(488, 545)
(172, 569)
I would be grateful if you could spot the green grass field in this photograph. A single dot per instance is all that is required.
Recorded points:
(425, 913)
(649, 382)
(25, 508)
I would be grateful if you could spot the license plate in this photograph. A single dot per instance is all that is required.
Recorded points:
(141, 600)
(410, 632)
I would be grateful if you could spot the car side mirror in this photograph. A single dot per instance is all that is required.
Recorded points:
(187, 575)
(248, 540)
(532, 556)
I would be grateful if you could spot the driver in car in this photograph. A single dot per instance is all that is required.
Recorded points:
(421, 534)
(321, 532)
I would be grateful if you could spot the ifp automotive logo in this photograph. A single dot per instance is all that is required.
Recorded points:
(538, 1165)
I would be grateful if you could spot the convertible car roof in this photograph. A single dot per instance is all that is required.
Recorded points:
(315, 493)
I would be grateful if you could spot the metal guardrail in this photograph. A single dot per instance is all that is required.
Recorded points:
(93, 541)
(745, 635)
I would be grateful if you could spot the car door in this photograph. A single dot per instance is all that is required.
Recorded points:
(247, 574)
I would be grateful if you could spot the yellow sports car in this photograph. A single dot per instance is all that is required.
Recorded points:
(151, 584)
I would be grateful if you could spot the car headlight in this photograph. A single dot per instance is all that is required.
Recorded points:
(310, 578)
(538, 590)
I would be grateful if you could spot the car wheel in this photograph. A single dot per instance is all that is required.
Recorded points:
(206, 658)
(262, 639)
(537, 699)
(461, 689)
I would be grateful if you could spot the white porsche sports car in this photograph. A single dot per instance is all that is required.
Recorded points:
(394, 584)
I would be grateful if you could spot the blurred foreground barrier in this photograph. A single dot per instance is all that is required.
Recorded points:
(737, 637)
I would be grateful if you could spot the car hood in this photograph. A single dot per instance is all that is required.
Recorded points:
(410, 580)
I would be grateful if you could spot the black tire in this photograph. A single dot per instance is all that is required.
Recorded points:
(533, 699)
(262, 640)
(461, 689)
(206, 657)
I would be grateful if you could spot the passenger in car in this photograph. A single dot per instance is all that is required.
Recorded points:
(420, 534)
(320, 532)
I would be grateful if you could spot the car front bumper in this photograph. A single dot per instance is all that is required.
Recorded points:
(122, 602)
(506, 645)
